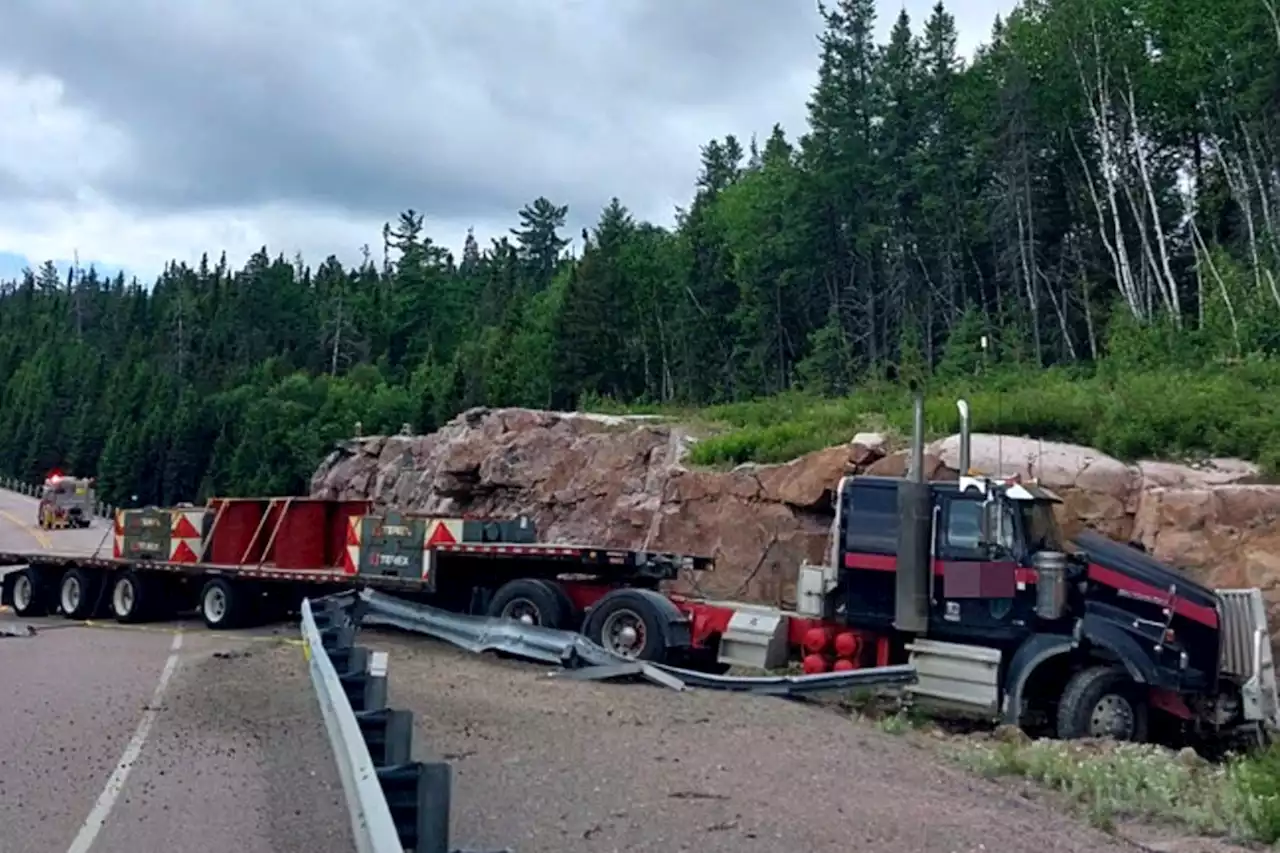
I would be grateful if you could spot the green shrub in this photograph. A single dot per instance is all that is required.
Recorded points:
(1171, 413)
(1109, 782)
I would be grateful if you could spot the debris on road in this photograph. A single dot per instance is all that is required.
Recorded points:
(588, 661)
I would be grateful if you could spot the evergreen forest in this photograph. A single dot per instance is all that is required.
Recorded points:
(1076, 228)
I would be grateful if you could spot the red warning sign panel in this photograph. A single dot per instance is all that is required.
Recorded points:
(184, 529)
(183, 554)
(440, 535)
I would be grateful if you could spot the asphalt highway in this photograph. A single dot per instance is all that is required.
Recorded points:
(161, 737)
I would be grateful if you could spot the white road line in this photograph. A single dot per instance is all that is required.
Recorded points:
(107, 799)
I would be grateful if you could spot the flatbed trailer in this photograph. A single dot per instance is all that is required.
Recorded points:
(174, 560)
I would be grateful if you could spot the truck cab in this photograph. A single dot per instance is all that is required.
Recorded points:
(975, 585)
(986, 540)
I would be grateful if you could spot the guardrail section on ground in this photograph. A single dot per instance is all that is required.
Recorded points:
(395, 803)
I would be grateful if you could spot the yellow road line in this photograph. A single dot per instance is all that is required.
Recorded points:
(38, 534)
(161, 629)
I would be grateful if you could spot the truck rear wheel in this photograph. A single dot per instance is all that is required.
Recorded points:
(1102, 702)
(631, 624)
(77, 594)
(30, 594)
(531, 601)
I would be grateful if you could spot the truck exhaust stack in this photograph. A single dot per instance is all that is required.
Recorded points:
(915, 520)
(965, 456)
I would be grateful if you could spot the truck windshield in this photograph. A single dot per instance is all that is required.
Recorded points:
(1041, 525)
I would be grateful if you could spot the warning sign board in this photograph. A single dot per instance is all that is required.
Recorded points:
(444, 531)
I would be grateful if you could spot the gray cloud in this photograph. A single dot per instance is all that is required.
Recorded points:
(458, 109)
(463, 110)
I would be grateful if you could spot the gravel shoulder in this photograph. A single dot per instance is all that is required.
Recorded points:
(546, 765)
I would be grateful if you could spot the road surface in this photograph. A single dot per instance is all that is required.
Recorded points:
(165, 737)
(551, 766)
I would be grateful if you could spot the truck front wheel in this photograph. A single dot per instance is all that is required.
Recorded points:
(1102, 702)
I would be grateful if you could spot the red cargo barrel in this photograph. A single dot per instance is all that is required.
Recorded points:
(814, 664)
(847, 644)
(815, 640)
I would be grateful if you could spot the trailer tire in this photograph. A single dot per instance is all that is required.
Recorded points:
(222, 604)
(130, 598)
(530, 601)
(637, 624)
(30, 593)
(1102, 701)
(572, 619)
(78, 594)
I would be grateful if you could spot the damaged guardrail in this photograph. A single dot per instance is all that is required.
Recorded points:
(588, 661)
(395, 803)
(32, 490)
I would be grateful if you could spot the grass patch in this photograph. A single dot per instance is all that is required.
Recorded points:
(1171, 414)
(1239, 799)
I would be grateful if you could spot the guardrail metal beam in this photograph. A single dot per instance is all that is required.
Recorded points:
(395, 803)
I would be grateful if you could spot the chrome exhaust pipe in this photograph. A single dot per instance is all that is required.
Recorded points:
(915, 472)
(965, 454)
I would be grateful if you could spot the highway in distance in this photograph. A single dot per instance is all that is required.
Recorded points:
(165, 737)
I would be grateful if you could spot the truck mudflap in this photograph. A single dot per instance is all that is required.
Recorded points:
(1246, 654)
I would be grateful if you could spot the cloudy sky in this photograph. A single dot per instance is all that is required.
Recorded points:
(136, 131)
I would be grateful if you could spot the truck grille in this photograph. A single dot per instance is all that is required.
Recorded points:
(1246, 652)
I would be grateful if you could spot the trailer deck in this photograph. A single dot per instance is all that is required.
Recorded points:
(600, 562)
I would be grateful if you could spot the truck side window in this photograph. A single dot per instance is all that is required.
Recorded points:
(964, 526)
(1003, 530)
(872, 521)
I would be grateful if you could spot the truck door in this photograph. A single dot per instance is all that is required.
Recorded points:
(974, 585)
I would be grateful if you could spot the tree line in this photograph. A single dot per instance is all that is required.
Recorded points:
(1098, 167)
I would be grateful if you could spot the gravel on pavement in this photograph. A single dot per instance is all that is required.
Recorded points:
(554, 766)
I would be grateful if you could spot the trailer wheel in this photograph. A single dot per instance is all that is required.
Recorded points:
(531, 601)
(629, 623)
(221, 604)
(129, 599)
(1102, 702)
(572, 613)
(77, 594)
(30, 594)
